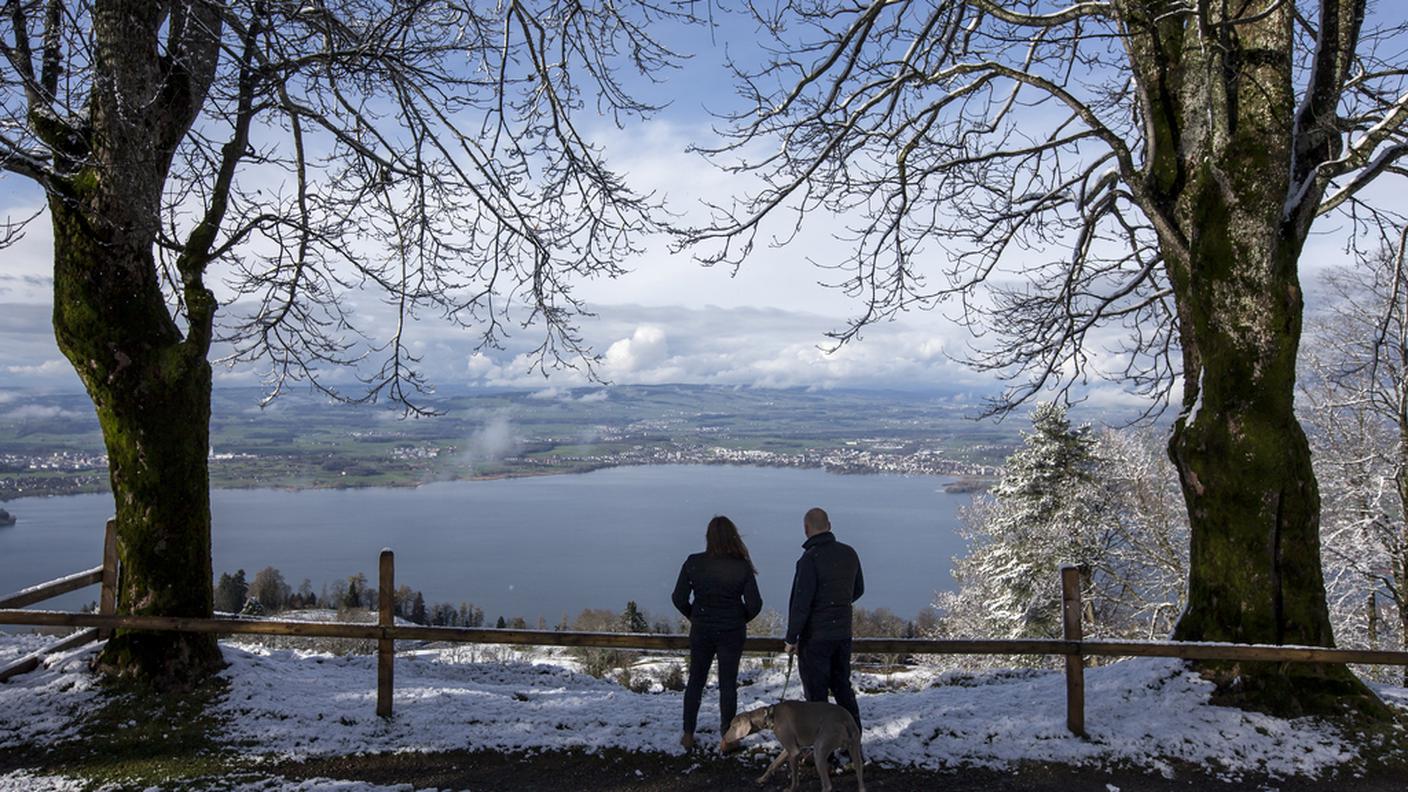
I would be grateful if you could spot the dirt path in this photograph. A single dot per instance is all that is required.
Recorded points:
(631, 772)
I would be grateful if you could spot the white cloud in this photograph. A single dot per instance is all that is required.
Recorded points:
(36, 412)
(479, 366)
(48, 368)
(645, 349)
(739, 346)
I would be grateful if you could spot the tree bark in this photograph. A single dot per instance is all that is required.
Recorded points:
(1253, 502)
(1227, 163)
(1399, 572)
(147, 376)
(151, 391)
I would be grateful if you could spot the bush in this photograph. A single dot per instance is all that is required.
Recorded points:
(601, 662)
(636, 683)
(674, 677)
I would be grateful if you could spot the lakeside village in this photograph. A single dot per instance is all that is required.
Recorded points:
(71, 472)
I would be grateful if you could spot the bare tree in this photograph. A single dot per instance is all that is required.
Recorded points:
(1135, 174)
(1356, 396)
(420, 152)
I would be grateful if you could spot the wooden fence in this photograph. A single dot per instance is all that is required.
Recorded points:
(105, 575)
(386, 632)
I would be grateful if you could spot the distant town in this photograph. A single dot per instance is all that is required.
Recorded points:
(54, 448)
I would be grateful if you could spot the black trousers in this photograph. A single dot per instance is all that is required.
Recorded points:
(825, 667)
(704, 644)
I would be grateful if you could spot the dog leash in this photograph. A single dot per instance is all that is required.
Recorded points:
(790, 658)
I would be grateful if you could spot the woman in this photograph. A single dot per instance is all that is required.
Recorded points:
(718, 592)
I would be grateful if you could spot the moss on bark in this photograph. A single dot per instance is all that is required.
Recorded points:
(152, 396)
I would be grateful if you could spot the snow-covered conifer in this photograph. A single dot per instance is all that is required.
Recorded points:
(1108, 503)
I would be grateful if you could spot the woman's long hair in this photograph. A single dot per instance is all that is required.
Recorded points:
(722, 541)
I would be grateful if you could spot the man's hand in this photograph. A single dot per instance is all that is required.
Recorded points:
(791, 648)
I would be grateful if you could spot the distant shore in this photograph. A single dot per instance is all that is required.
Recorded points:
(960, 485)
(968, 485)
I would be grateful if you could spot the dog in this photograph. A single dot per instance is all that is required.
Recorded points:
(823, 726)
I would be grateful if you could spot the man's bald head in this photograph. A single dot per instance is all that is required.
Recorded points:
(815, 522)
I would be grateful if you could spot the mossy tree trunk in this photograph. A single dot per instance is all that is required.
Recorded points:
(148, 375)
(1232, 185)
(151, 390)
(1244, 465)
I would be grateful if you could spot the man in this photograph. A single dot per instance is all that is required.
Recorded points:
(827, 581)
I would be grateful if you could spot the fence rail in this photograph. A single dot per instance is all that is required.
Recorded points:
(1185, 650)
(53, 588)
(385, 632)
(105, 575)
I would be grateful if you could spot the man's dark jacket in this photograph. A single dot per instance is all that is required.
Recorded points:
(828, 580)
(725, 591)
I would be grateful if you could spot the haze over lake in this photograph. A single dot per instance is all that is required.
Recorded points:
(539, 546)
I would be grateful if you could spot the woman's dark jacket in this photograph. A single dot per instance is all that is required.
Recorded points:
(725, 591)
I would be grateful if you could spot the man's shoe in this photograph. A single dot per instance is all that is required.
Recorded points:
(687, 741)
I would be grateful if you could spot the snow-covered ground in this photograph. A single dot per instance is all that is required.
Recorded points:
(1149, 713)
(13, 647)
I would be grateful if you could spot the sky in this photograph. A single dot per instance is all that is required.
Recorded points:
(667, 320)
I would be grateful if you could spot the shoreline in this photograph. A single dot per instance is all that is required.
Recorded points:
(957, 484)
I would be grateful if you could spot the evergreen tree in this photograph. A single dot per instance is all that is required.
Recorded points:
(418, 609)
(632, 620)
(501, 624)
(1108, 503)
(1045, 511)
(353, 597)
(231, 592)
(222, 588)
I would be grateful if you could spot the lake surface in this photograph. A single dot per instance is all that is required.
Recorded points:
(538, 546)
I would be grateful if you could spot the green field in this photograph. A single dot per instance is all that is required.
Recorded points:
(50, 444)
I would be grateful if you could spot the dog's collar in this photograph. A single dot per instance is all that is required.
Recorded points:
(767, 718)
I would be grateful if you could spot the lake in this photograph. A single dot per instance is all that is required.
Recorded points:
(539, 546)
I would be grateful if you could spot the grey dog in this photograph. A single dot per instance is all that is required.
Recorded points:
(798, 724)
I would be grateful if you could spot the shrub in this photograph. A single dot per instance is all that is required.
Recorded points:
(674, 677)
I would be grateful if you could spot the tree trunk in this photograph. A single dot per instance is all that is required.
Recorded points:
(151, 389)
(1227, 153)
(1244, 463)
(148, 377)
(1400, 563)
(1403, 612)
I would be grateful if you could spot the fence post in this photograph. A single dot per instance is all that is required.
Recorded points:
(385, 647)
(107, 598)
(1075, 663)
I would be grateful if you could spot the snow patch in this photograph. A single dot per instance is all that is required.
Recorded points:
(1146, 713)
(47, 706)
(21, 781)
(13, 647)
